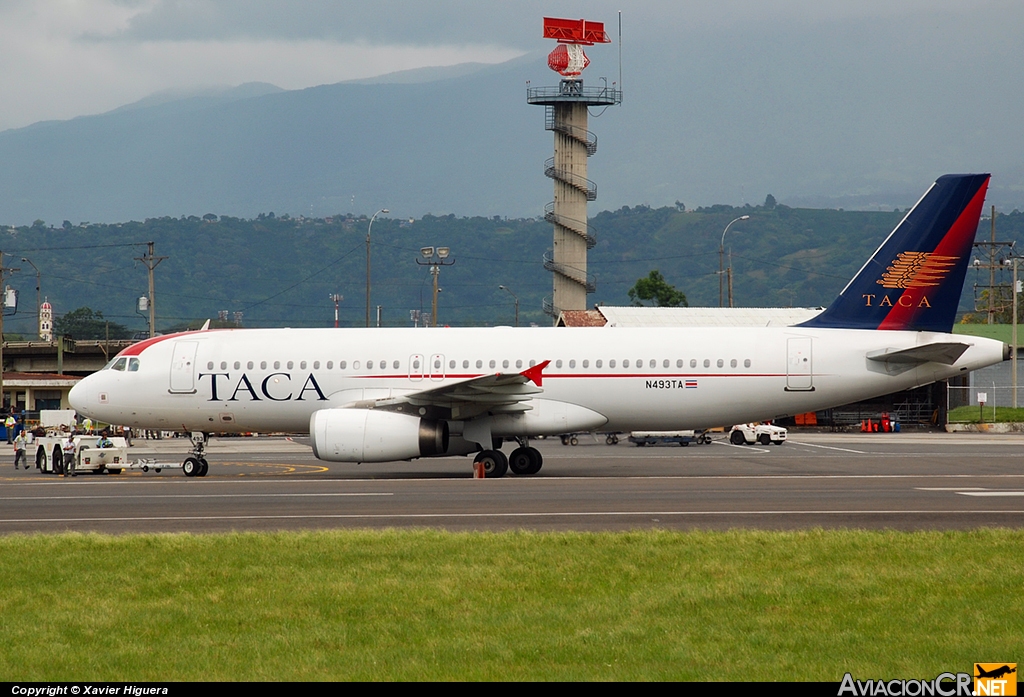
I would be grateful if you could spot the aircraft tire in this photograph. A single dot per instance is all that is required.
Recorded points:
(495, 463)
(765, 439)
(737, 438)
(536, 461)
(204, 467)
(191, 467)
(574, 441)
(519, 461)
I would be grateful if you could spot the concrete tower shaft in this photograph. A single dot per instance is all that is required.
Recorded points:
(566, 116)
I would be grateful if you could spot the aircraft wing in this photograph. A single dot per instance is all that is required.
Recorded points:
(466, 399)
(946, 353)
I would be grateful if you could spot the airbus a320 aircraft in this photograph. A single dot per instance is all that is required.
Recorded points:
(375, 395)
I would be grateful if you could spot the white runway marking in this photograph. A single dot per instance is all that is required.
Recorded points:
(493, 515)
(991, 493)
(183, 496)
(829, 447)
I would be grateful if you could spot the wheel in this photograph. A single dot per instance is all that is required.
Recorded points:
(40, 459)
(145, 468)
(684, 443)
(764, 439)
(191, 466)
(204, 467)
(495, 463)
(565, 440)
(157, 470)
(640, 443)
(519, 461)
(113, 471)
(778, 442)
(574, 441)
(736, 438)
(609, 441)
(525, 461)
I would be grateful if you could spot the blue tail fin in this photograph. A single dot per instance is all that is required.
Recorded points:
(914, 280)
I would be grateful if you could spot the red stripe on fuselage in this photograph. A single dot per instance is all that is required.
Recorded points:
(956, 242)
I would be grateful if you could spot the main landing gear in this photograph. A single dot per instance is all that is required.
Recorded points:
(196, 465)
(523, 461)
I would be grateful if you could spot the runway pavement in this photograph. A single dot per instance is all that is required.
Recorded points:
(902, 481)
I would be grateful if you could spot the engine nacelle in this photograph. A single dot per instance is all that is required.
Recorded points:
(368, 435)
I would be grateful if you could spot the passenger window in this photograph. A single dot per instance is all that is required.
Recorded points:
(611, 363)
(277, 365)
(519, 363)
(720, 363)
(664, 363)
(707, 363)
(465, 364)
(302, 366)
(558, 363)
(209, 366)
(492, 364)
(355, 365)
(342, 365)
(479, 364)
(437, 364)
(330, 364)
(598, 363)
(746, 363)
(693, 362)
(504, 363)
(263, 365)
(586, 363)
(291, 364)
(654, 363)
(395, 365)
(316, 365)
(223, 365)
(451, 364)
(369, 365)
(237, 365)
(415, 364)
(679, 362)
(249, 365)
(133, 365)
(625, 363)
(572, 363)
(732, 363)
(532, 362)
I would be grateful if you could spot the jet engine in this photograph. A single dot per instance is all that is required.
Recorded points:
(368, 435)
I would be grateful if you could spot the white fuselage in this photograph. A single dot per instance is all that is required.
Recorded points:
(608, 378)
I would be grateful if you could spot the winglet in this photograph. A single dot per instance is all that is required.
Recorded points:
(205, 327)
(536, 373)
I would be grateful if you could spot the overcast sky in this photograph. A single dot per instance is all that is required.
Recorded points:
(65, 58)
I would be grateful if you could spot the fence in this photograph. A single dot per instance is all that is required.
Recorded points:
(994, 396)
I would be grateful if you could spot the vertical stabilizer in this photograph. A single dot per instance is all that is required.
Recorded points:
(914, 280)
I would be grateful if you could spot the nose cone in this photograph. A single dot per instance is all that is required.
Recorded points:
(77, 396)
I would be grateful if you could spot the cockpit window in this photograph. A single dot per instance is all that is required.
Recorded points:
(133, 365)
(119, 364)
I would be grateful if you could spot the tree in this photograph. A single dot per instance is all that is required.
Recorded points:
(83, 323)
(655, 287)
(769, 202)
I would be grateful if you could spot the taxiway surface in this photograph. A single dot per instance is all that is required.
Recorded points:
(901, 481)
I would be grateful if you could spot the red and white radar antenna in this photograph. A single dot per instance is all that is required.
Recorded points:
(568, 58)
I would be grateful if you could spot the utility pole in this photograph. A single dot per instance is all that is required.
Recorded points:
(995, 261)
(151, 263)
(4, 272)
(337, 299)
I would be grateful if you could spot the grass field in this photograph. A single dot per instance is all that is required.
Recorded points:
(972, 414)
(429, 605)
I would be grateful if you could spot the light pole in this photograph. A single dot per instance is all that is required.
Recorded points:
(337, 299)
(368, 228)
(434, 257)
(721, 264)
(516, 299)
(38, 302)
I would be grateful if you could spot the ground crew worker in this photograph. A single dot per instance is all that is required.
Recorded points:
(20, 443)
(69, 456)
(9, 423)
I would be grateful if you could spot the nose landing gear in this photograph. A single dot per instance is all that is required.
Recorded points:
(196, 465)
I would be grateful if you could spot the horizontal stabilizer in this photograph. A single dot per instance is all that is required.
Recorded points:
(946, 353)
